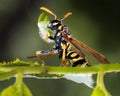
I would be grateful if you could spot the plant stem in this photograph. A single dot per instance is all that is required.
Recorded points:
(63, 70)
(100, 83)
(19, 82)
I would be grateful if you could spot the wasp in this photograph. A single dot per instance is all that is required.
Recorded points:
(67, 47)
(65, 43)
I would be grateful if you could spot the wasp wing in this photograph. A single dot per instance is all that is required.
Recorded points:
(76, 44)
(78, 50)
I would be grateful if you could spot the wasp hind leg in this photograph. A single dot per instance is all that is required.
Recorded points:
(65, 63)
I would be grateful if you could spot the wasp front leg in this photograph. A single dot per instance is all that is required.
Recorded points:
(45, 53)
(40, 56)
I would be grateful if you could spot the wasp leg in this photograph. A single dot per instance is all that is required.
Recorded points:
(42, 54)
(87, 61)
(63, 54)
(39, 55)
(66, 63)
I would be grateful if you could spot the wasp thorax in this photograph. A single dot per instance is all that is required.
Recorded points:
(54, 24)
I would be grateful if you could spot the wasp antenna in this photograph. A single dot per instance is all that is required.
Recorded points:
(66, 15)
(47, 10)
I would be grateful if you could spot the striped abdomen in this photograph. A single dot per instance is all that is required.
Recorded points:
(75, 59)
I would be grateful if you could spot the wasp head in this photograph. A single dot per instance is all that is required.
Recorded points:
(55, 24)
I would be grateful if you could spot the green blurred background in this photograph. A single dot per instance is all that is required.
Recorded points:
(94, 22)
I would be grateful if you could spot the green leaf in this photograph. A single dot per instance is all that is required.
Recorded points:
(48, 76)
(98, 92)
(26, 91)
(43, 21)
(10, 91)
(43, 17)
(100, 89)
(18, 89)
(13, 91)
(17, 62)
(7, 75)
(10, 69)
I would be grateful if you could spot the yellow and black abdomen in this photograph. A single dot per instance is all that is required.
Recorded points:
(75, 59)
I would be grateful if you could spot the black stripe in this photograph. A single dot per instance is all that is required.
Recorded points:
(69, 54)
(79, 62)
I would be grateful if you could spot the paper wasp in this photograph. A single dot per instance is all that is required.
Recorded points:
(63, 41)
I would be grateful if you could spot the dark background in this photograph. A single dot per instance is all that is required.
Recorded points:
(94, 22)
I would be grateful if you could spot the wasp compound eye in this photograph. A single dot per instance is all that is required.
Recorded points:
(54, 24)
